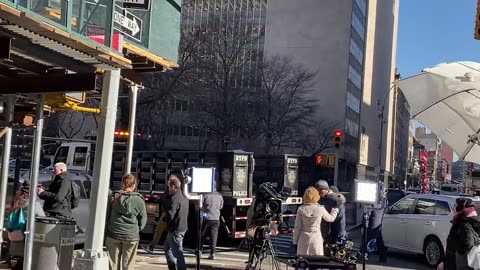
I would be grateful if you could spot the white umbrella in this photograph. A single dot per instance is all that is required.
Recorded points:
(446, 99)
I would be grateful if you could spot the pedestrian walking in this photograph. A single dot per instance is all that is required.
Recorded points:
(177, 224)
(127, 216)
(449, 261)
(466, 228)
(161, 227)
(212, 204)
(58, 196)
(307, 235)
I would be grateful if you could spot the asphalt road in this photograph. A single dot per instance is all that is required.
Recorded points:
(395, 260)
(235, 259)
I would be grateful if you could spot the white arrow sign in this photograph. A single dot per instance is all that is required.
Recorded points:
(124, 21)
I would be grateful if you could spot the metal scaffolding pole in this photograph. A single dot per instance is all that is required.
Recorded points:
(10, 106)
(93, 256)
(131, 127)
(34, 170)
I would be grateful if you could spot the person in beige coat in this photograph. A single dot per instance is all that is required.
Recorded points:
(307, 235)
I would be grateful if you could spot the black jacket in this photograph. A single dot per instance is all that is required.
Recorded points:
(465, 235)
(449, 262)
(338, 227)
(177, 213)
(58, 196)
(330, 201)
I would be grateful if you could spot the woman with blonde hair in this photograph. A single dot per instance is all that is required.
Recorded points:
(307, 235)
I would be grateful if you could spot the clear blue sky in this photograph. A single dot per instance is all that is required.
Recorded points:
(431, 32)
(435, 31)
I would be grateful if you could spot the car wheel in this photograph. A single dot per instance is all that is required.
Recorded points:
(433, 251)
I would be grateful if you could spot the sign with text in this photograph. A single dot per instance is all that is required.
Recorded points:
(136, 4)
(127, 23)
(97, 33)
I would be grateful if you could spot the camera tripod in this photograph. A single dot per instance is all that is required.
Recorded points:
(260, 248)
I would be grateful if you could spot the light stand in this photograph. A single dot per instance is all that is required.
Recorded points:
(366, 193)
(202, 181)
(199, 231)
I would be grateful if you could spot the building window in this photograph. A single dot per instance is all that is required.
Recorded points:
(358, 26)
(351, 128)
(353, 103)
(362, 5)
(354, 77)
(356, 51)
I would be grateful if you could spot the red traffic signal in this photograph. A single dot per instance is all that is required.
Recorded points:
(338, 138)
(319, 160)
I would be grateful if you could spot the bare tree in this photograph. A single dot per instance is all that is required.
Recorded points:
(317, 136)
(283, 103)
(66, 124)
(223, 76)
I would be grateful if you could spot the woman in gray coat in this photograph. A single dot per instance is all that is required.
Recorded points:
(306, 233)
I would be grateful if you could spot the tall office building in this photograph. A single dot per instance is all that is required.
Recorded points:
(352, 47)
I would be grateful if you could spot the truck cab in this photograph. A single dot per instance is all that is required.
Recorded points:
(75, 155)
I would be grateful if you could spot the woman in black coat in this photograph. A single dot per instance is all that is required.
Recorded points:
(465, 229)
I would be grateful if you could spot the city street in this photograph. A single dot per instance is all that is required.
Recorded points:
(231, 258)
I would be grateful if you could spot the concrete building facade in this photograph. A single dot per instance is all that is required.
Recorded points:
(351, 45)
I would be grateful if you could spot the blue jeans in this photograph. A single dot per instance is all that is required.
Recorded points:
(174, 250)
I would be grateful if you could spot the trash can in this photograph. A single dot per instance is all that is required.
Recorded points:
(53, 243)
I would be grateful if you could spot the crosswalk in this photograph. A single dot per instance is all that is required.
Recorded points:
(225, 256)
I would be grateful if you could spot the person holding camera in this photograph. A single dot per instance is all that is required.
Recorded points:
(307, 235)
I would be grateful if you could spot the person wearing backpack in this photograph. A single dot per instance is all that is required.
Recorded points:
(60, 196)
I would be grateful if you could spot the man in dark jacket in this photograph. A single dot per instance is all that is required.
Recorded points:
(59, 194)
(338, 227)
(329, 200)
(212, 204)
(177, 225)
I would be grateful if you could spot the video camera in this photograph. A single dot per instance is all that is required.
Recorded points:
(268, 204)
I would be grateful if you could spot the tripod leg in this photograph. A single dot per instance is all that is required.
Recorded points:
(271, 248)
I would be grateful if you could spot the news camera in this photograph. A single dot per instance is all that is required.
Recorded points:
(268, 204)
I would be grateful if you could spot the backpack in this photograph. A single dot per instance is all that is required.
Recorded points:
(17, 225)
(75, 199)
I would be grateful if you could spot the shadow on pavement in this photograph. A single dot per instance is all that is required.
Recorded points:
(398, 260)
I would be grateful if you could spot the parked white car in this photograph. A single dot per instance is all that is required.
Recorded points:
(420, 223)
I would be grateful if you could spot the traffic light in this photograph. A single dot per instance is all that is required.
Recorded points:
(325, 160)
(477, 21)
(338, 138)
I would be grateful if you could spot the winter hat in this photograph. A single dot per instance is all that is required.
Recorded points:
(322, 184)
